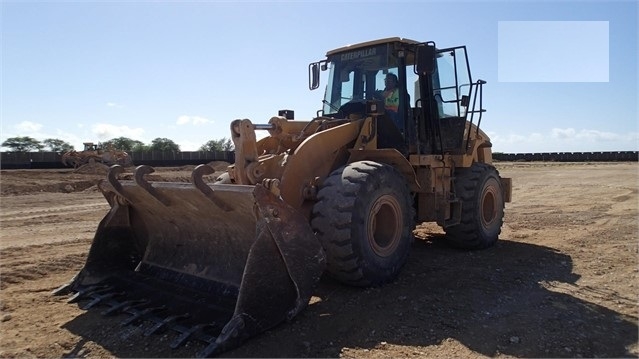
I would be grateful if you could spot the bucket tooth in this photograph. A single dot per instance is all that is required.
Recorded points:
(74, 298)
(143, 313)
(63, 289)
(168, 320)
(87, 291)
(99, 298)
(122, 306)
(191, 331)
(207, 352)
(138, 175)
(196, 179)
(135, 308)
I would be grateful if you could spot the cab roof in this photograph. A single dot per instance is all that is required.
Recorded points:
(371, 43)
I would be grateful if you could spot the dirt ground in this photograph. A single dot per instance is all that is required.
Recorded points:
(561, 282)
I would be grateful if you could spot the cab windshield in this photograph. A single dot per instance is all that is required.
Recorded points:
(357, 75)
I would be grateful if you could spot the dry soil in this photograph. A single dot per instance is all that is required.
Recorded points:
(561, 282)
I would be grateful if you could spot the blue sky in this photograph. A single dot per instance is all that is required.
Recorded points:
(562, 75)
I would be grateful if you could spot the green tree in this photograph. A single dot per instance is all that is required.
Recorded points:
(223, 144)
(140, 147)
(57, 145)
(123, 143)
(164, 144)
(22, 144)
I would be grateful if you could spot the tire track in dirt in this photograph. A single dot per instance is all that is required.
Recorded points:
(18, 265)
(10, 216)
(62, 217)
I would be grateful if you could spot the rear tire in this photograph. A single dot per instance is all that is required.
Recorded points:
(364, 219)
(479, 188)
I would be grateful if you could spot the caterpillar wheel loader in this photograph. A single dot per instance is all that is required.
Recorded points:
(96, 153)
(221, 261)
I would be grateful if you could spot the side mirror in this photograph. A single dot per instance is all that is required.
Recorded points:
(313, 75)
(425, 61)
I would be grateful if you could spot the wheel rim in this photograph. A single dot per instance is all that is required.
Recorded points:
(489, 206)
(384, 225)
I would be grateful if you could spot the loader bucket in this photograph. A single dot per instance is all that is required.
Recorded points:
(218, 263)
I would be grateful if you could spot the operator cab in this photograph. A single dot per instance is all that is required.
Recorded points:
(90, 146)
(433, 123)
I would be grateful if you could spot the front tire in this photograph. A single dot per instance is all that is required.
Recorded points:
(364, 219)
(480, 191)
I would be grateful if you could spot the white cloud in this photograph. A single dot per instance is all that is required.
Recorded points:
(590, 135)
(194, 120)
(562, 133)
(190, 145)
(28, 126)
(594, 135)
(104, 131)
(512, 138)
(565, 140)
(113, 104)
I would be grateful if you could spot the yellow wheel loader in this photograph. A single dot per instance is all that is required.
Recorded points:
(225, 260)
(96, 153)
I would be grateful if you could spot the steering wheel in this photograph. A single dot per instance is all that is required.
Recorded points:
(378, 95)
(352, 107)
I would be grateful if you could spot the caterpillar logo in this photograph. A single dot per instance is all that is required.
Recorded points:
(358, 54)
